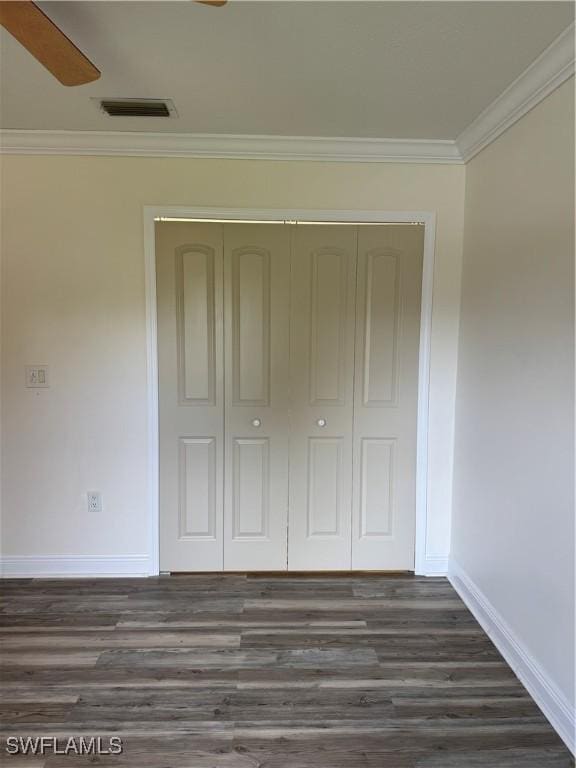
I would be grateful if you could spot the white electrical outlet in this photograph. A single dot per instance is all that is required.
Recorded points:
(94, 501)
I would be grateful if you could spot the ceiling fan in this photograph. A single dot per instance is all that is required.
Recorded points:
(48, 44)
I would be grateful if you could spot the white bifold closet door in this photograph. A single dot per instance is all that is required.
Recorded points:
(355, 328)
(256, 395)
(389, 281)
(223, 328)
(190, 290)
(322, 397)
(288, 379)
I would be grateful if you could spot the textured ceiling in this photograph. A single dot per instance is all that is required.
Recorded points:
(359, 69)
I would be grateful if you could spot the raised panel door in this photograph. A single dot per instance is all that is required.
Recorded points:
(256, 310)
(321, 377)
(386, 396)
(189, 284)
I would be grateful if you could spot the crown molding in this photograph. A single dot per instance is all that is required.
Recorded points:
(553, 67)
(142, 144)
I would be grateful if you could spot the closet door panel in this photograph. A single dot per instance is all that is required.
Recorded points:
(189, 283)
(257, 270)
(250, 329)
(386, 396)
(321, 376)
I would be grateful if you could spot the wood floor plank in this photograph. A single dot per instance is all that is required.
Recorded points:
(136, 639)
(499, 758)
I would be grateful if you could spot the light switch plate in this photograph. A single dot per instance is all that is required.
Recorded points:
(37, 376)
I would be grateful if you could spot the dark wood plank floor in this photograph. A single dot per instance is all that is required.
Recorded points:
(234, 671)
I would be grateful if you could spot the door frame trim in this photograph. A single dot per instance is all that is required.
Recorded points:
(428, 218)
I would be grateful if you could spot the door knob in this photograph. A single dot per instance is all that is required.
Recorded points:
(256, 422)
(321, 422)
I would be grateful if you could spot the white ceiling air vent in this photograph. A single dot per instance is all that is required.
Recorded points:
(137, 107)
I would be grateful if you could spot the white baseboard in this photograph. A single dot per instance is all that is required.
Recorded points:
(544, 691)
(435, 565)
(69, 566)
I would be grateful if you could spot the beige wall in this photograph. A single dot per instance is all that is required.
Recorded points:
(513, 508)
(73, 277)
